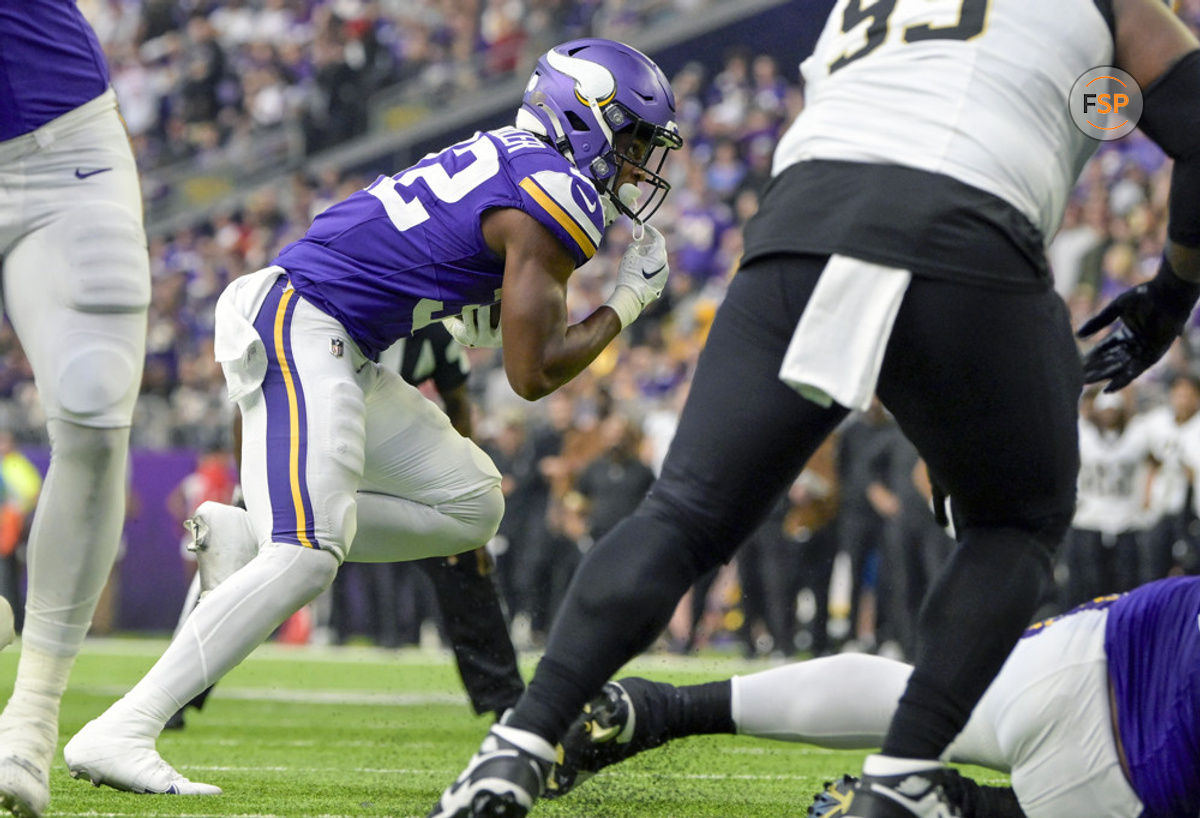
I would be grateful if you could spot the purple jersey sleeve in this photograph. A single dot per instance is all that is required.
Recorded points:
(561, 198)
(50, 63)
(1152, 640)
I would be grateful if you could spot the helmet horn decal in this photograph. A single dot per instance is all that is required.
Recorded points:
(593, 82)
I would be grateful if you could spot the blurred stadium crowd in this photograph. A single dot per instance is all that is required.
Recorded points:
(853, 542)
(205, 80)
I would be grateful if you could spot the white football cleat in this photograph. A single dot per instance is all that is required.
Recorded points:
(222, 541)
(24, 787)
(502, 780)
(128, 763)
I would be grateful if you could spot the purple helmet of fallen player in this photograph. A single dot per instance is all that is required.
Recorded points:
(584, 93)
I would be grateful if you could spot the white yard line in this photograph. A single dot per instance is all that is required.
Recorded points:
(311, 696)
(361, 654)
(656, 775)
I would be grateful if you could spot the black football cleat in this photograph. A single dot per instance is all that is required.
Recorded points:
(834, 800)
(502, 780)
(617, 724)
(922, 794)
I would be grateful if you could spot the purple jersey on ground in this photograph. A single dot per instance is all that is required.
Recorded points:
(409, 250)
(50, 63)
(1153, 645)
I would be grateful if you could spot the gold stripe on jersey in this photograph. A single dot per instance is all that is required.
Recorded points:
(573, 228)
(293, 419)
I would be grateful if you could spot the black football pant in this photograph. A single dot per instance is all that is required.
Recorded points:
(476, 629)
(984, 382)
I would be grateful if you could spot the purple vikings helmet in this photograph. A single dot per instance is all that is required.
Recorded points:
(585, 92)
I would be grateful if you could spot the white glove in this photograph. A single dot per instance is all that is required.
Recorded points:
(477, 326)
(641, 276)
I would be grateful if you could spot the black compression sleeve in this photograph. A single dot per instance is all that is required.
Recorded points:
(1183, 216)
(1171, 117)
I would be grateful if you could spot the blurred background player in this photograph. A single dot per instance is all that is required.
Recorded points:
(1103, 548)
(1047, 718)
(338, 450)
(76, 288)
(466, 597)
(841, 294)
(1171, 430)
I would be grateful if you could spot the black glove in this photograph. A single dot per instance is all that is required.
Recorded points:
(1152, 315)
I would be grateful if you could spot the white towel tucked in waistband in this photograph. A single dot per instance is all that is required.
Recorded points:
(837, 349)
(236, 344)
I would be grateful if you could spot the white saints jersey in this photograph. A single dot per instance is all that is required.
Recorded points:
(1169, 443)
(1113, 473)
(973, 89)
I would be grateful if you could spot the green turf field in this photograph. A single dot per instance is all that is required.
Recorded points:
(367, 732)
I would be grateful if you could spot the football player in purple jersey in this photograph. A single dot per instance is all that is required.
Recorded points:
(76, 287)
(341, 459)
(1092, 714)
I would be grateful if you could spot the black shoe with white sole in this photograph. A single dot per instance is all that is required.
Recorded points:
(502, 780)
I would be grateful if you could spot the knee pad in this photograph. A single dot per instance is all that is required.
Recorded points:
(97, 383)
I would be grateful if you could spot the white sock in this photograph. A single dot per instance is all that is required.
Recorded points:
(226, 625)
(29, 726)
(842, 702)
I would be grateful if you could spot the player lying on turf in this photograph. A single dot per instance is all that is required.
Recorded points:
(1093, 714)
(337, 450)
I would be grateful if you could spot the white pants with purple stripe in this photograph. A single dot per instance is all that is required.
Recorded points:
(334, 444)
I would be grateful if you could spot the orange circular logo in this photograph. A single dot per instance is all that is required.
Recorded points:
(1105, 103)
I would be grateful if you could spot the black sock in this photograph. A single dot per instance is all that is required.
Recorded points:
(972, 617)
(664, 712)
(996, 802)
(698, 710)
(978, 801)
(621, 598)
